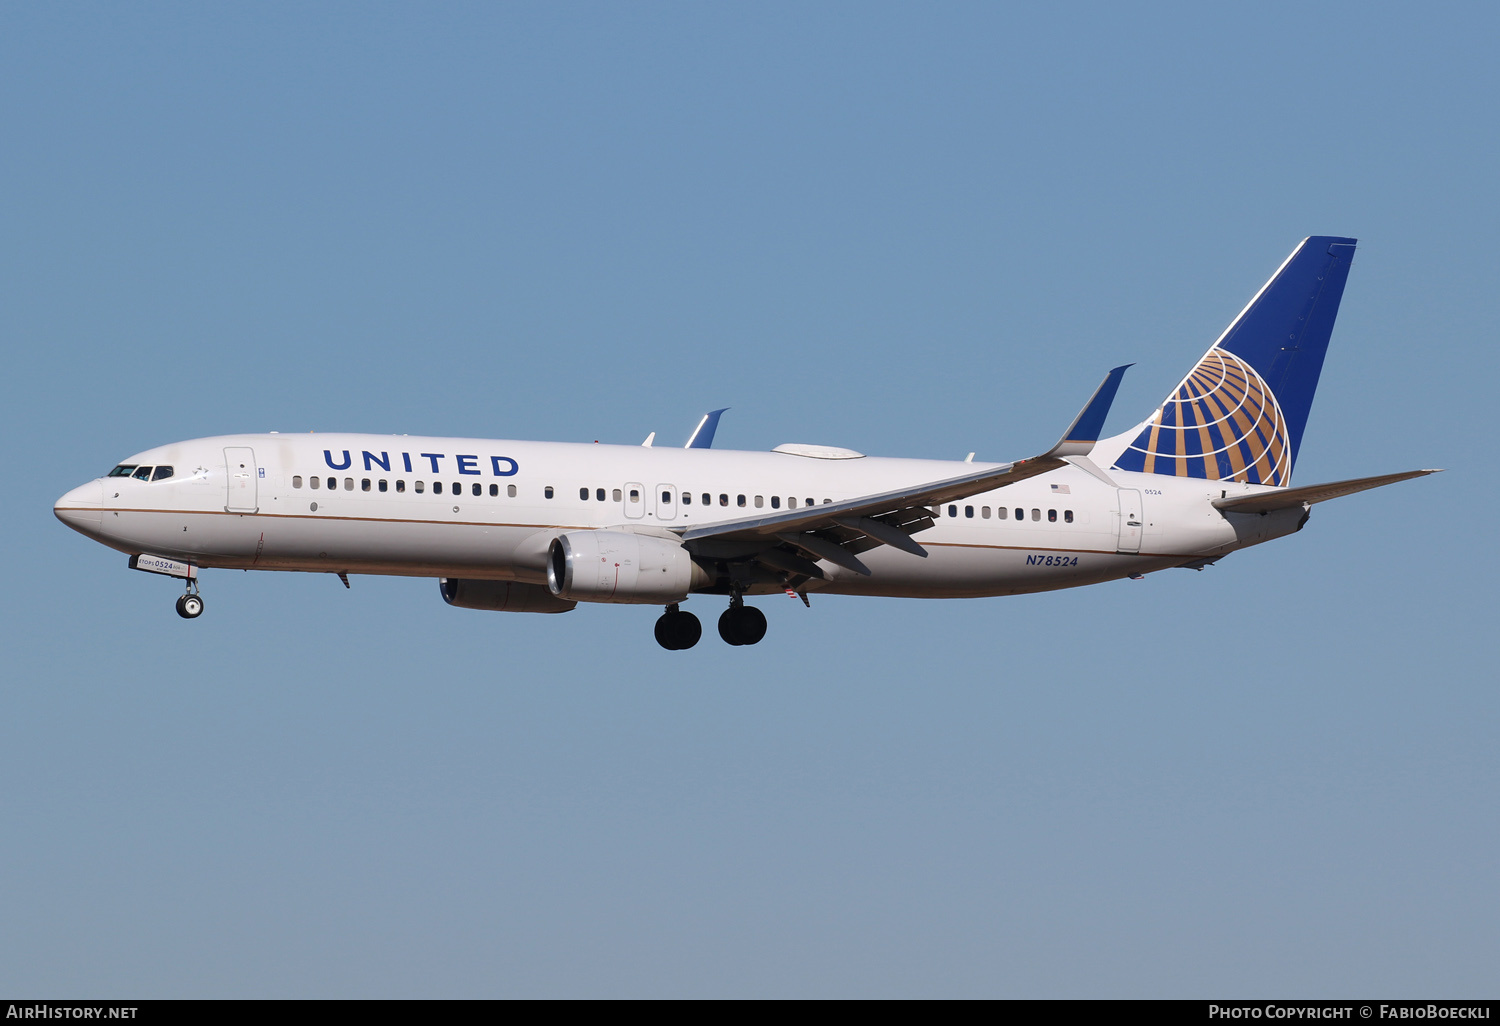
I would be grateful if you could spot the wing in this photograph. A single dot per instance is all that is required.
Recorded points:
(792, 541)
(1286, 498)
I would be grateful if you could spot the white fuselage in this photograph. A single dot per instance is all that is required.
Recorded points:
(487, 509)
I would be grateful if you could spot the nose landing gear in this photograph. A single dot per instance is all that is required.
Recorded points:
(676, 630)
(190, 606)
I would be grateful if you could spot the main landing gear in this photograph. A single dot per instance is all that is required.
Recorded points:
(190, 606)
(739, 625)
(676, 630)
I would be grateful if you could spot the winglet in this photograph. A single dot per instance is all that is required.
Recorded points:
(703, 434)
(1080, 438)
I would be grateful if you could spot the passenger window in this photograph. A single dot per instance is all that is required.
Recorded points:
(364, 485)
(314, 482)
(984, 512)
(599, 494)
(417, 486)
(708, 500)
(547, 492)
(723, 499)
(969, 512)
(458, 489)
(635, 495)
(1001, 512)
(494, 491)
(810, 502)
(348, 484)
(296, 480)
(1052, 516)
(1067, 516)
(953, 511)
(510, 491)
(478, 489)
(666, 498)
(791, 502)
(687, 498)
(1036, 514)
(759, 502)
(614, 494)
(827, 502)
(162, 473)
(437, 488)
(583, 493)
(739, 500)
(775, 502)
(142, 474)
(401, 486)
(382, 484)
(1020, 513)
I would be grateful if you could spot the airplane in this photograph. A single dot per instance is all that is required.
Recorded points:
(538, 527)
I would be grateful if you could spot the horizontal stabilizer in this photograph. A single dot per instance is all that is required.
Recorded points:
(1287, 498)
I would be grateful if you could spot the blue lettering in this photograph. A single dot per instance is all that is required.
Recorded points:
(495, 462)
(406, 458)
(434, 457)
(384, 460)
(328, 458)
(466, 464)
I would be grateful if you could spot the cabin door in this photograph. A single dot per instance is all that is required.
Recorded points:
(240, 476)
(1131, 521)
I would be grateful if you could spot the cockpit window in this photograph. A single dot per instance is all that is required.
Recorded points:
(123, 470)
(161, 474)
(142, 474)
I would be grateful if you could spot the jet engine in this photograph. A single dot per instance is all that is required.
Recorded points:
(617, 566)
(502, 596)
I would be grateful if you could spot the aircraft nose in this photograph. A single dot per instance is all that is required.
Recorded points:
(83, 507)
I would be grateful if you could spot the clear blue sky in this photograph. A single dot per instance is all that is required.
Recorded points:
(913, 230)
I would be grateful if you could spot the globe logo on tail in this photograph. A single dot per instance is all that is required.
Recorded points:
(1223, 423)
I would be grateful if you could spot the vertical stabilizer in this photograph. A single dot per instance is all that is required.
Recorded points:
(1240, 413)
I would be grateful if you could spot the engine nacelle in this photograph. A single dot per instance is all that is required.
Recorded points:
(502, 596)
(617, 566)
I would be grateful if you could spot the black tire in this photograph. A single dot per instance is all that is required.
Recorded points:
(189, 607)
(666, 633)
(687, 630)
(729, 626)
(678, 631)
(751, 626)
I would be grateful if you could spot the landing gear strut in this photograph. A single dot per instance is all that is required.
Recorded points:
(741, 624)
(676, 630)
(190, 606)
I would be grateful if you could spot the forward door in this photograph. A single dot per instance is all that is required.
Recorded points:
(240, 476)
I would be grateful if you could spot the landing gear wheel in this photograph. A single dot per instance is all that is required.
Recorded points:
(742, 625)
(676, 630)
(190, 607)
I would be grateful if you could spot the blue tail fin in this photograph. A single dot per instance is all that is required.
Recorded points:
(1239, 414)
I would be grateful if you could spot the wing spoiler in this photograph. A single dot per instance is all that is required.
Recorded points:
(1287, 498)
